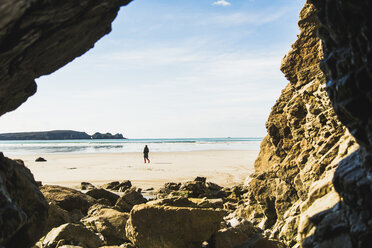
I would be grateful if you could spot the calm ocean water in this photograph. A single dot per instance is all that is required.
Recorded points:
(31, 147)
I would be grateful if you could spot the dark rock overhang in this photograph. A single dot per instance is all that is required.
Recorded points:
(37, 37)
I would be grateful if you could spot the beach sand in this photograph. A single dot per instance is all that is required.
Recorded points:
(226, 168)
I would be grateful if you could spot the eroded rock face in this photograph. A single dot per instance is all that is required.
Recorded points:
(346, 32)
(38, 37)
(23, 209)
(305, 142)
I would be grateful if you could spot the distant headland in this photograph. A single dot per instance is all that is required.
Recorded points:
(58, 135)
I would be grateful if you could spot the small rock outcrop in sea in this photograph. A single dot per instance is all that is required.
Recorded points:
(107, 136)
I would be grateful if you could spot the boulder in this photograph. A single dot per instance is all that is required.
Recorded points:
(102, 193)
(130, 198)
(23, 209)
(169, 227)
(172, 186)
(66, 198)
(71, 234)
(40, 159)
(86, 186)
(235, 235)
(56, 217)
(213, 186)
(118, 186)
(200, 179)
(103, 201)
(107, 221)
(196, 188)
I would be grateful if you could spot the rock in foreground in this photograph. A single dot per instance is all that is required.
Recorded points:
(170, 227)
(71, 234)
(130, 198)
(66, 198)
(23, 209)
(108, 222)
(103, 194)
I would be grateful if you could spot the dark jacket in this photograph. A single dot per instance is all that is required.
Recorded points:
(146, 150)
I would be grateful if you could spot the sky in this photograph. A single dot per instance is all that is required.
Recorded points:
(171, 69)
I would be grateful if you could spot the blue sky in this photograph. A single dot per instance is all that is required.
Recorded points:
(172, 68)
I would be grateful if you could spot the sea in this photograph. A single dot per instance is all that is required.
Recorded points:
(35, 147)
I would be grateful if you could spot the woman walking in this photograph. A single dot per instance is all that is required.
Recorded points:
(146, 154)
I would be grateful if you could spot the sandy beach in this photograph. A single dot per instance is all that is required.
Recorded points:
(225, 168)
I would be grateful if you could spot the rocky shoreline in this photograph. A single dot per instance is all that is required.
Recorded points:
(190, 214)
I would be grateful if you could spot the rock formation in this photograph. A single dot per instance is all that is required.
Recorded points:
(107, 221)
(107, 136)
(66, 198)
(305, 142)
(346, 32)
(168, 227)
(57, 135)
(68, 234)
(38, 37)
(23, 209)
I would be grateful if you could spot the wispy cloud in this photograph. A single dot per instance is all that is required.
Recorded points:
(222, 3)
(240, 18)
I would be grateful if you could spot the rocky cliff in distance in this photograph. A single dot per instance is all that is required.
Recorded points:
(58, 135)
(107, 136)
(47, 135)
(305, 142)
